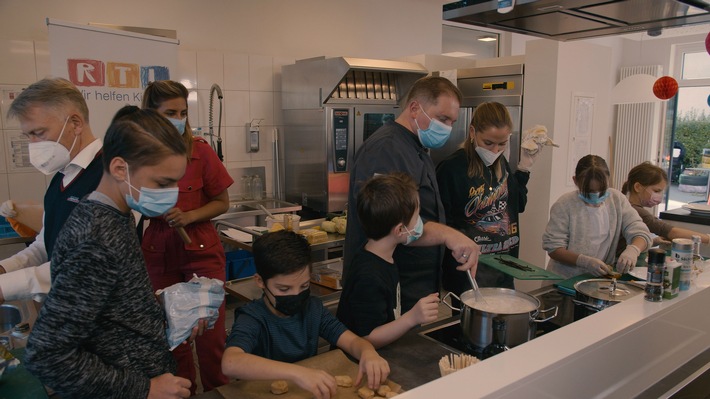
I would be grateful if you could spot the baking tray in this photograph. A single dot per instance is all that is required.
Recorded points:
(537, 273)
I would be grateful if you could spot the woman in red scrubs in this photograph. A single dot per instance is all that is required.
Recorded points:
(170, 259)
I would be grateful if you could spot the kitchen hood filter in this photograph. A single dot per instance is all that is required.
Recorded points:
(366, 85)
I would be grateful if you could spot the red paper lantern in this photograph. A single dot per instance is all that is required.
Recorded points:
(665, 87)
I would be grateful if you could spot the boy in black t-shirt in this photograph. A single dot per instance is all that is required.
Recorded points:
(388, 208)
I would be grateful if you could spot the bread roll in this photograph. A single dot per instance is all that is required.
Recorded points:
(279, 387)
(344, 381)
(365, 393)
(383, 389)
(391, 394)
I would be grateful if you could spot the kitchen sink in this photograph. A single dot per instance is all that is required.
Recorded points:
(240, 208)
(251, 208)
(248, 213)
(23, 313)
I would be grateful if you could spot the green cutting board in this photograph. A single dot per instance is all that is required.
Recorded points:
(537, 273)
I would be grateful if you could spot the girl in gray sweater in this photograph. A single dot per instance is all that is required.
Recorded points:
(585, 226)
(101, 331)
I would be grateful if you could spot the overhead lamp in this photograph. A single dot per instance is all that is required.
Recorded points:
(487, 39)
(635, 89)
(458, 54)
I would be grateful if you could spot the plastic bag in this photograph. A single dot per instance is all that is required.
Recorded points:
(7, 361)
(186, 303)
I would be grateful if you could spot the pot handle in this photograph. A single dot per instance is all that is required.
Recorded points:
(588, 305)
(450, 294)
(555, 308)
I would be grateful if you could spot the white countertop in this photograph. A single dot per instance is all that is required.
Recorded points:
(618, 352)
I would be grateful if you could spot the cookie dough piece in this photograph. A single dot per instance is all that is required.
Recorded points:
(344, 381)
(279, 387)
(365, 393)
(383, 389)
(391, 394)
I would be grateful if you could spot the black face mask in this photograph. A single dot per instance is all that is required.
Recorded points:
(290, 304)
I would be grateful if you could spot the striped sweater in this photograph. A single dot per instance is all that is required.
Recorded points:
(100, 333)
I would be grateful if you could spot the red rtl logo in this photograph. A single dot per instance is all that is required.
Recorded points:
(83, 72)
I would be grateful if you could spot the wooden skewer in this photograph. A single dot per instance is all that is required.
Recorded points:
(183, 234)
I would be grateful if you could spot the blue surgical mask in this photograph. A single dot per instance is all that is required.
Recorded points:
(416, 233)
(436, 135)
(152, 202)
(179, 124)
(594, 198)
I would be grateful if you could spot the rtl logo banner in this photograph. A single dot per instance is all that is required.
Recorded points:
(87, 73)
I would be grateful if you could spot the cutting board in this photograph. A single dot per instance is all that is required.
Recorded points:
(567, 286)
(334, 362)
(493, 260)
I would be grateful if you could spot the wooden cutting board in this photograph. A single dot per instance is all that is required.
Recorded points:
(334, 362)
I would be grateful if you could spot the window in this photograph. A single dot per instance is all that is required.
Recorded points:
(687, 144)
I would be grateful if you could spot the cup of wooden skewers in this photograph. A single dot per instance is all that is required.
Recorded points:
(454, 362)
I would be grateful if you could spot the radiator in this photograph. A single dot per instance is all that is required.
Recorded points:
(637, 130)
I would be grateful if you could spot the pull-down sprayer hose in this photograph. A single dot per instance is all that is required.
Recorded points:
(215, 87)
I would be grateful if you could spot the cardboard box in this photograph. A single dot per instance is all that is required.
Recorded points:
(328, 273)
(671, 279)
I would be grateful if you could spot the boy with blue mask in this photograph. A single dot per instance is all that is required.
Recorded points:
(585, 226)
(284, 325)
(370, 304)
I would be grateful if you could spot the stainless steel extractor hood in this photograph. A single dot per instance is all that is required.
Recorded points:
(313, 82)
(579, 19)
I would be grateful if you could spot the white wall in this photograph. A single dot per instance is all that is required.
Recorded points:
(240, 45)
(299, 29)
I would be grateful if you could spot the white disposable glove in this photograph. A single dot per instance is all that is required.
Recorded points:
(627, 259)
(593, 265)
(527, 160)
(533, 141)
(7, 209)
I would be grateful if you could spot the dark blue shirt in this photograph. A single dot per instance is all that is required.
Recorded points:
(287, 339)
(60, 201)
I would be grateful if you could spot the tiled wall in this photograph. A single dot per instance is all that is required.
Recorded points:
(251, 85)
(22, 62)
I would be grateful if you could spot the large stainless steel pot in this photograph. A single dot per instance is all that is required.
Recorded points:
(518, 309)
(597, 294)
